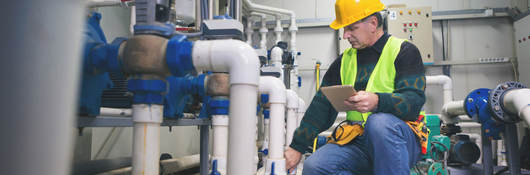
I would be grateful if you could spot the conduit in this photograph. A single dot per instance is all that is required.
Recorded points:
(277, 99)
(241, 62)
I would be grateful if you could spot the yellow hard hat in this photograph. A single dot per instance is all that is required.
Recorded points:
(350, 11)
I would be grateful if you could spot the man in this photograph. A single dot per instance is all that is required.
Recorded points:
(388, 74)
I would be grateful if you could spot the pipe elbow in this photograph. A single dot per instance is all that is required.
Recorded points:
(232, 56)
(292, 99)
(440, 79)
(274, 87)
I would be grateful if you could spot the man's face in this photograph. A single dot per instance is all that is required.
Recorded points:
(359, 34)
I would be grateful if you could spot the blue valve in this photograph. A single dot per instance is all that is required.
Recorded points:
(214, 168)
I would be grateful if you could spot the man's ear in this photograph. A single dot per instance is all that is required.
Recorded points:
(373, 24)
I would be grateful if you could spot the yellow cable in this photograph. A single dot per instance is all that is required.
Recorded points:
(315, 144)
(317, 76)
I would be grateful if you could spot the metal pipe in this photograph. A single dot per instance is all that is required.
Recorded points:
(210, 9)
(512, 149)
(487, 158)
(204, 149)
(198, 16)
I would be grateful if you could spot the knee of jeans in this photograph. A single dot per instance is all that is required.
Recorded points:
(380, 123)
(311, 164)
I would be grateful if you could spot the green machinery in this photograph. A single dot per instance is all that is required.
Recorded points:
(435, 161)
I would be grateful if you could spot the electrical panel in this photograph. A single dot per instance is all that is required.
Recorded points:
(522, 43)
(413, 24)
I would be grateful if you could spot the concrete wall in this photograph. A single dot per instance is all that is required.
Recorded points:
(465, 39)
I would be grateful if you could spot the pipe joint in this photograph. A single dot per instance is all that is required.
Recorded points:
(146, 55)
(147, 91)
(232, 56)
(274, 87)
(147, 113)
(178, 55)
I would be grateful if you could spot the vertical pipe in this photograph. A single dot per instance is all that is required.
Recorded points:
(204, 150)
(146, 138)
(263, 31)
(41, 51)
(249, 30)
(220, 141)
(198, 16)
(487, 158)
(235, 9)
(277, 133)
(291, 125)
(240, 161)
(512, 148)
(210, 9)
(278, 29)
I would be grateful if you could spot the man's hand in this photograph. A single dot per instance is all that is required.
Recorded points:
(292, 157)
(362, 101)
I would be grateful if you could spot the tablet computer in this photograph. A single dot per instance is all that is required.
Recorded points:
(337, 94)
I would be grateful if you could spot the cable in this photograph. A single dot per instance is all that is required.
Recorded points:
(516, 77)
(317, 76)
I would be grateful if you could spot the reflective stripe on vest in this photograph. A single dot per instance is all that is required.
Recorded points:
(382, 77)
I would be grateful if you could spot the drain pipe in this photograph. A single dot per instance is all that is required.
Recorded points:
(447, 84)
(517, 102)
(241, 62)
(301, 111)
(292, 118)
(277, 98)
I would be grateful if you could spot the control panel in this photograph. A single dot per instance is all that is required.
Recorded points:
(412, 24)
(415, 25)
(522, 43)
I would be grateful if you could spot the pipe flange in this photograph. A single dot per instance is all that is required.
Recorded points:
(495, 101)
(470, 103)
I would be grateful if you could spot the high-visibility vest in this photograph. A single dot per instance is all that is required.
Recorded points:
(382, 77)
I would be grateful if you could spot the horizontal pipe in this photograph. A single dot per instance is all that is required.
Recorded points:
(517, 101)
(452, 110)
(115, 112)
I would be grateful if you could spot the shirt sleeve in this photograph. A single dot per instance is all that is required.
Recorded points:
(320, 115)
(407, 99)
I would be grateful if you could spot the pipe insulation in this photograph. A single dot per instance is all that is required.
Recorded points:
(292, 118)
(241, 62)
(277, 99)
(446, 83)
(517, 101)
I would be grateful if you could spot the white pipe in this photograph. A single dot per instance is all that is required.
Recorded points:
(220, 141)
(114, 112)
(278, 29)
(242, 63)
(266, 9)
(146, 138)
(301, 111)
(276, 57)
(210, 9)
(277, 98)
(133, 21)
(451, 111)
(447, 86)
(263, 31)
(249, 31)
(517, 101)
(292, 109)
(103, 3)
(198, 17)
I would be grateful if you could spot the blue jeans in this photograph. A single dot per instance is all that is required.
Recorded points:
(388, 146)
